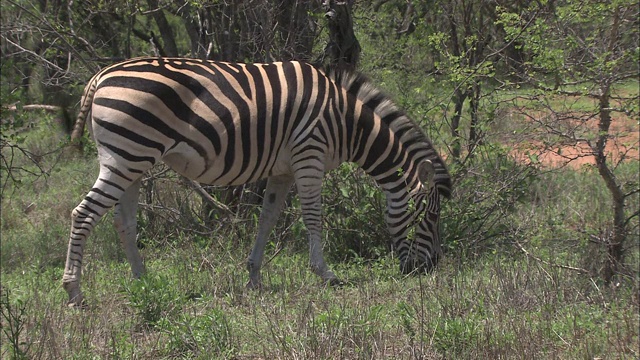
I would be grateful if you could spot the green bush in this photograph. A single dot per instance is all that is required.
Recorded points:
(14, 324)
(486, 191)
(354, 209)
(153, 298)
(201, 335)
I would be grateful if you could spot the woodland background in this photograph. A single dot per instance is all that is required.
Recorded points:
(533, 104)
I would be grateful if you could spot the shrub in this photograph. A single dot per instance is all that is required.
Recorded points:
(206, 335)
(152, 297)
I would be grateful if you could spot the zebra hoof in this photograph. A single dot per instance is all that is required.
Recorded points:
(334, 283)
(77, 303)
(76, 299)
(254, 285)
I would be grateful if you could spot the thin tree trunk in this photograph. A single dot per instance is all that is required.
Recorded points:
(615, 244)
(166, 32)
(475, 136)
(458, 100)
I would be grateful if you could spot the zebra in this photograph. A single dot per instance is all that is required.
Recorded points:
(227, 123)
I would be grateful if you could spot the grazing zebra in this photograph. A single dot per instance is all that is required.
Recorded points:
(228, 124)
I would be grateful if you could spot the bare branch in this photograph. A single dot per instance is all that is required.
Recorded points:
(566, 267)
(52, 108)
(206, 196)
(635, 214)
(41, 58)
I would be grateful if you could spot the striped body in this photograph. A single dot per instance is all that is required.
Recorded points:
(229, 124)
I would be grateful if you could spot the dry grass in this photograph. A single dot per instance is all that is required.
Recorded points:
(490, 308)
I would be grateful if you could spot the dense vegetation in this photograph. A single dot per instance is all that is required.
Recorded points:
(534, 105)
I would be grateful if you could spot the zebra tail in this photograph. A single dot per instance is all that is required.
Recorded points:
(85, 110)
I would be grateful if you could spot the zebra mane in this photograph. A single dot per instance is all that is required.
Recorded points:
(398, 121)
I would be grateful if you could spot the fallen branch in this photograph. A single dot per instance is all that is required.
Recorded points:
(52, 108)
(566, 267)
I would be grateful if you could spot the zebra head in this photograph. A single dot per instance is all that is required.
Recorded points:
(418, 243)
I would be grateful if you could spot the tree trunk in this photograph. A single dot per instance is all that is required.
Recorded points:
(475, 135)
(343, 48)
(166, 32)
(196, 23)
(615, 243)
(459, 98)
(298, 28)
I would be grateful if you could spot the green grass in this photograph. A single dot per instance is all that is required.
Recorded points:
(192, 304)
(497, 308)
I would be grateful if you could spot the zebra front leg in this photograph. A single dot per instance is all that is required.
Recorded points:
(272, 205)
(309, 187)
(124, 219)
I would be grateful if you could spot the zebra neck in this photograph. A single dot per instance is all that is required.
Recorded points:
(371, 140)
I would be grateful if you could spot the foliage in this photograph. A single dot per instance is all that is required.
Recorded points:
(354, 215)
(585, 49)
(201, 335)
(152, 298)
(489, 188)
(14, 324)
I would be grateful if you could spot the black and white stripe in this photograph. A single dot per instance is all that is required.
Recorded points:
(227, 124)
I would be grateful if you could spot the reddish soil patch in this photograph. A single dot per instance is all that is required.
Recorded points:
(571, 145)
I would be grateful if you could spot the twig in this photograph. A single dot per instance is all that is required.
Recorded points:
(34, 54)
(206, 196)
(566, 267)
(278, 250)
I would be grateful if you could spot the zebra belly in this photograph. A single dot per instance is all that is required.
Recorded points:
(188, 163)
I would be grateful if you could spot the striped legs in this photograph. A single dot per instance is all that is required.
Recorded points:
(125, 222)
(309, 191)
(109, 189)
(274, 199)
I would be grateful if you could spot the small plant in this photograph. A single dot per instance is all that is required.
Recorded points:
(456, 333)
(407, 316)
(152, 297)
(206, 334)
(13, 325)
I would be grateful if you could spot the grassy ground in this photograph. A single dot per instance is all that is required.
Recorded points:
(193, 305)
(497, 304)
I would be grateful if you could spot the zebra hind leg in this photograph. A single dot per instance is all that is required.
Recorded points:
(124, 219)
(274, 199)
(106, 192)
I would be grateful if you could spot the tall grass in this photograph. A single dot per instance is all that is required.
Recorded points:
(496, 308)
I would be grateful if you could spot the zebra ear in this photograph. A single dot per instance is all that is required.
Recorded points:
(426, 172)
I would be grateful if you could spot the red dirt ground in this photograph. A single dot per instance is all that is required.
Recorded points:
(622, 145)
